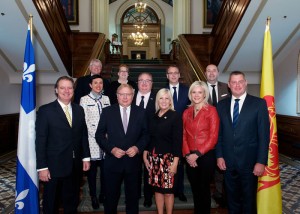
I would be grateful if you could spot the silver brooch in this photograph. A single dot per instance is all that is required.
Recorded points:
(165, 117)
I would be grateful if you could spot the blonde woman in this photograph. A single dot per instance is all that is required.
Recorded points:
(163, 153)
(200, 135)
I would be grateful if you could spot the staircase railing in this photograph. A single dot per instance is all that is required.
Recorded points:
(193, 52)
(69, 44)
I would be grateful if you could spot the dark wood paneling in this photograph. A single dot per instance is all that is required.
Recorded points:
(230, 16)
(8, 132)
(288, 128)
(54, 19)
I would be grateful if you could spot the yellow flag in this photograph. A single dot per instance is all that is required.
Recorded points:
(269, 190)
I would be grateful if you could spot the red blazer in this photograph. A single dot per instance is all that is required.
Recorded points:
(200, 133)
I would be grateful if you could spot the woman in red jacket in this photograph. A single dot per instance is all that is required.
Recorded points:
(200, 135)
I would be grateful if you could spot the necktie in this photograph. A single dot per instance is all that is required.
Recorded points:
(142, 102)
(124, 121)
(68, 116)
(235, 112)
(214, 96)
(175, 97)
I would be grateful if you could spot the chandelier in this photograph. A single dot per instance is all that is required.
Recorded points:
(138, 38)
(140, 6)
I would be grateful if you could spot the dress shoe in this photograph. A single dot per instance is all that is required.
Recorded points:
(147, 203)
(95, 203)
(182, 197)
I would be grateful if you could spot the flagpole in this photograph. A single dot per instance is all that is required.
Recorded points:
(30, 25)
(268, 21)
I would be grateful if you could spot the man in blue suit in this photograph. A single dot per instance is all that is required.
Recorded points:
(181, 102)
(122, 132)
(242, 148)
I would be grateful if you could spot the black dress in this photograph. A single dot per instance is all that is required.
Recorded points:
(165, 144)
(112, 90)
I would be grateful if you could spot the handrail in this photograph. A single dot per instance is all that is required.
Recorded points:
(97, 52)
(197, 68)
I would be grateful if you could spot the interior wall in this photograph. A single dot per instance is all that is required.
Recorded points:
(85, 17)
(286, 88)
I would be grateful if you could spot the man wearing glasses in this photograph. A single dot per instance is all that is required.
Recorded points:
(122, 133)
(181, 102)
(145, 98)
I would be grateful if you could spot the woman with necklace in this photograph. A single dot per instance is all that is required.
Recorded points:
(200, 135)
(163, 153)
(93, 103)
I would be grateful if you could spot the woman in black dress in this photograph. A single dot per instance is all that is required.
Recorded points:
(123, 79)
(163, 153)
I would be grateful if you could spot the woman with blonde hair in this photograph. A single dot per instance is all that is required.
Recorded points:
(200, 135)
(163, 153)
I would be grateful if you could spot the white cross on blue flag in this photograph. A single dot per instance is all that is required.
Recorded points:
(27, 200)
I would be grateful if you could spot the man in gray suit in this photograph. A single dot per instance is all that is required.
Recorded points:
(243, 143)
(217, 91)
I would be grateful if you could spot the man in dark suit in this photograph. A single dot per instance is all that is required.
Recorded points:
(62, 148)
(181, 102)
(83, 83)
(221, 89)
(145, 98)
(217, 91)
(242, 148)
(122, 133)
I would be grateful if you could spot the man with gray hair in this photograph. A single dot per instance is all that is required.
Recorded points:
(82, 83)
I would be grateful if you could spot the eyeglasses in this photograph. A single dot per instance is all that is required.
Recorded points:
(123, 71)
(237, 82)
(173, 73)
(145, 81)
(124, 95)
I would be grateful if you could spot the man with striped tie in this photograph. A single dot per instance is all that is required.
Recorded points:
(243, 143)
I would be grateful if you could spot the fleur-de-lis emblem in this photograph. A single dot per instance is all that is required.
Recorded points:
(19, 204)
(27, 72)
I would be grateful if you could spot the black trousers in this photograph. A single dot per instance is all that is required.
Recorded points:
(92, 177)
(180, 177)
(113, 182)
(64, 188)
(148, 190)
(200, 178)
(241, 187)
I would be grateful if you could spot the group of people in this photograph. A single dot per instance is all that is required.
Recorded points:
(128, 130)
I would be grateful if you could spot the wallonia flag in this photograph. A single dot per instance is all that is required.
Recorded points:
(269, 189)
(27, 200)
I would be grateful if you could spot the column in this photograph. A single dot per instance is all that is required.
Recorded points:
(181, 17)
(100, 19)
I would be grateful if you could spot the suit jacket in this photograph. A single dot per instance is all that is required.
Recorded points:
(150, 108)
(56, 140)
(223, 92)
(83, 88)
(200, 133)
(110, 134)
(248, 143)
(183, 98)
(93, 110)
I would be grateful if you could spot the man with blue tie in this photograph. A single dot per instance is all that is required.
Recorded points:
(122, 132)
(242, 148)
(181, 102)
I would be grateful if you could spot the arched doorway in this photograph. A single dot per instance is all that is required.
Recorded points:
(146, 23)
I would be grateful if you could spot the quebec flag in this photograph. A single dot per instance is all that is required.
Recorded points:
(27, 198)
